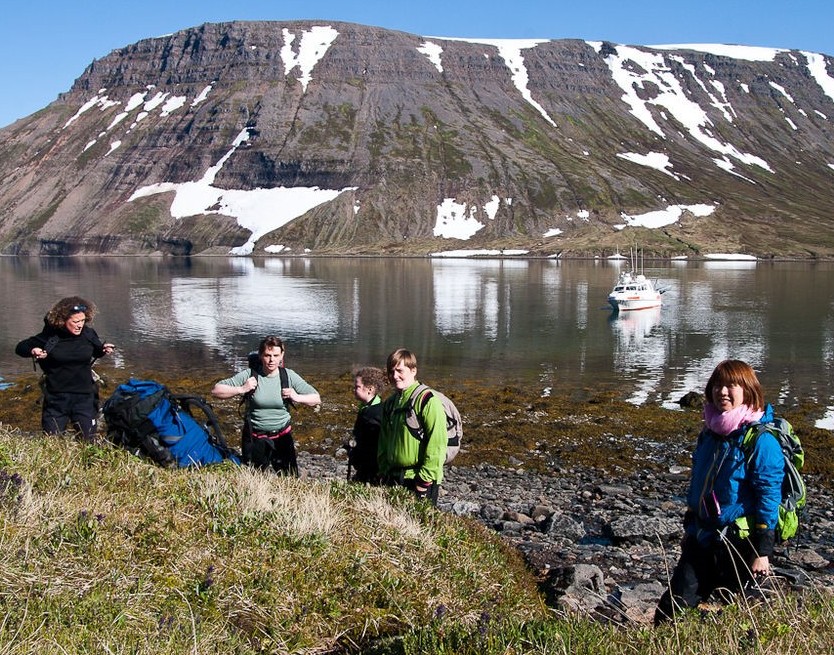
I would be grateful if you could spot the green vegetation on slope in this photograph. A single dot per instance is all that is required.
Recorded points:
(108, 553)
(105, 552)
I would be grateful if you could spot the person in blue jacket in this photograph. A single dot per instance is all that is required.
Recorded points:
(733, 498)
(65, 350)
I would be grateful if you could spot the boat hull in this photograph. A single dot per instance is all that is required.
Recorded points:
(633, 303)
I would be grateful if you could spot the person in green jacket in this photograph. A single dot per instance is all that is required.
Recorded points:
(404, 458)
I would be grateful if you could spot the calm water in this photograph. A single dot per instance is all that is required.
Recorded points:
(545, 322)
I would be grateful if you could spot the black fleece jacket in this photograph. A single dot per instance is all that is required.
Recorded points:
(68, 364)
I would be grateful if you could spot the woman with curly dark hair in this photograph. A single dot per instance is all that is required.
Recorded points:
(65, 350)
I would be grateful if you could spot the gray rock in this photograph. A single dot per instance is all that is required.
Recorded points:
(617, 491)
(636, 603)
(579, 588)
(650, 528)
(630, 541)
(491, 512)
(466, 507)
(692, 400)
(510, 527)
(561, 525)
(518, 517)
(808, 558)
(541, 512)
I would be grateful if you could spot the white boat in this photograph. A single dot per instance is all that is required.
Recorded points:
(634, 291)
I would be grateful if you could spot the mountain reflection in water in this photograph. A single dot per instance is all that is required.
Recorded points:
(537, 322)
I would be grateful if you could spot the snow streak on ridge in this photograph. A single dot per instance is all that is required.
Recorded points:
(311, 48)
(817, 68)
(510, 51)
(258, 210)
(670, 95)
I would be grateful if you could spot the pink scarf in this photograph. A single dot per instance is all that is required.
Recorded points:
(725, 422)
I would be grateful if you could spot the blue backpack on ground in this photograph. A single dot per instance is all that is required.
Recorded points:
(147, 419)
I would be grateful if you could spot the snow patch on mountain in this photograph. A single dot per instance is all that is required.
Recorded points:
(258, 210)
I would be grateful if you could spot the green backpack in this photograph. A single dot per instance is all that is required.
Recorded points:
(793, 486)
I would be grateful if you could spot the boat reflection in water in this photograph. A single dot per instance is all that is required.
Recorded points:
(640, 350)
(633, 328)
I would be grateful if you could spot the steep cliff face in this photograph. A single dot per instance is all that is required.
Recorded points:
(340, 138)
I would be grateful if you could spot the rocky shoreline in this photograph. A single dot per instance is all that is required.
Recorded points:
(601, 546)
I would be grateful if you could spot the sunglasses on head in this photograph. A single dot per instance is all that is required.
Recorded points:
(79, 308)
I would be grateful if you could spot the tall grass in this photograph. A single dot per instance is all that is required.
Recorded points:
(101, 552)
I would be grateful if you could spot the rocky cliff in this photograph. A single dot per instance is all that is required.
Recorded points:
(335, 138)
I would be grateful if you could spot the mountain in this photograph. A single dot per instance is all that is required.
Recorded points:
(336, 138)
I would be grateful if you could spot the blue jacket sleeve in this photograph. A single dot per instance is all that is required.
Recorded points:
(767, 469)
(766, 473)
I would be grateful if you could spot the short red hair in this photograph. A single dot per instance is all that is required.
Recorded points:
(735, 371)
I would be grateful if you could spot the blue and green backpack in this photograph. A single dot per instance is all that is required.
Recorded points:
(793, 486)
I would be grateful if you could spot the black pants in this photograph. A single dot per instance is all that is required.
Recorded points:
(60, 410)
(701, 570)
(431, 495)
(362, 462)
(267, 453)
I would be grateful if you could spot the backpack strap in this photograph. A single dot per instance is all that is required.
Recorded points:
(793, 486)
(414, 414)
(48, 345)
(209, 420)
(255, 369)
(285, 384)
(751, 437)
(51, 342)
(100, 342)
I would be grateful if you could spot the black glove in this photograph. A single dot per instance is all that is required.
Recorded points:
(763, 541)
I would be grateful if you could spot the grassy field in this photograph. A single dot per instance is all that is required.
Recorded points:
(105, 553)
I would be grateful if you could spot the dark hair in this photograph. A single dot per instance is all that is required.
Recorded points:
(66, 307)
(270, 342)
(371, 376)
(400, 355)
(735, 371)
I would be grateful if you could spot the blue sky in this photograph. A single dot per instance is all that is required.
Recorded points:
(48, 44)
